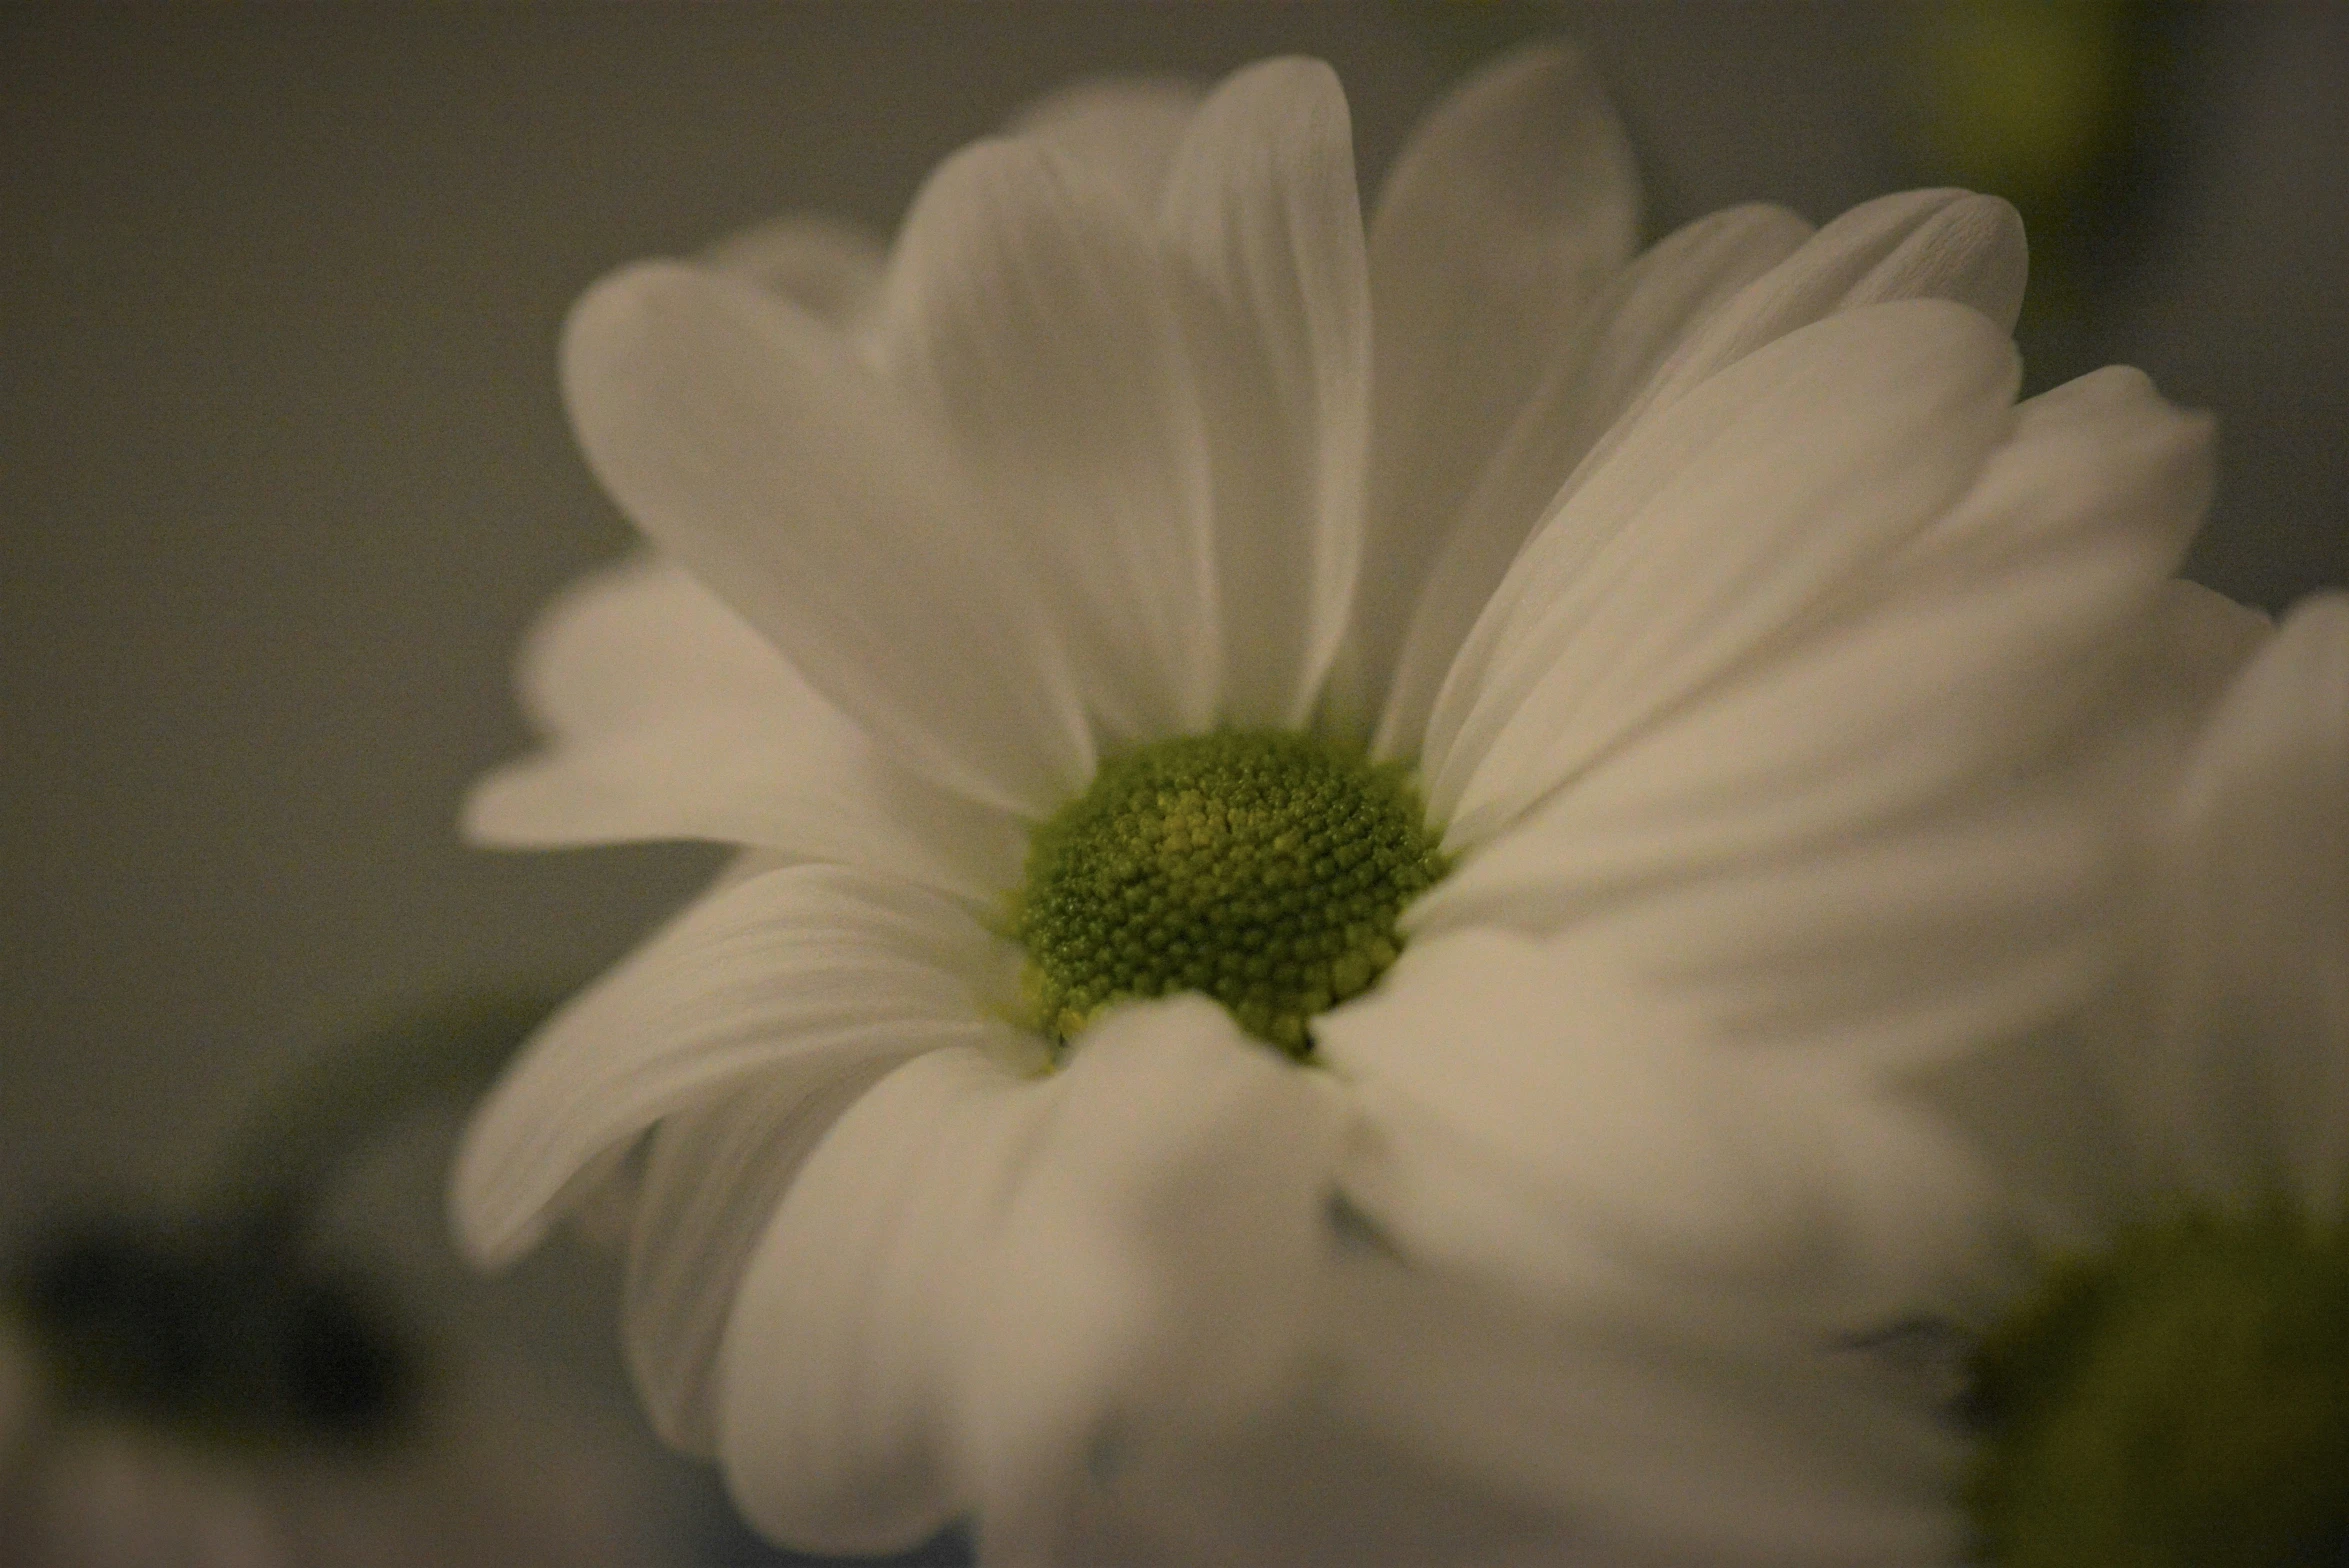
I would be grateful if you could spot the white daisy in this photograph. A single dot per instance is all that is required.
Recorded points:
(2161, 1372)
(2096, 1305)
(1712, 628)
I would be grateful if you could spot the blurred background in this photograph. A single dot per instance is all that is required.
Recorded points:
(284, 476)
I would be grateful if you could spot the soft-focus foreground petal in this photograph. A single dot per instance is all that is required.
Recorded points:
(830, 269)
(1308, 1483)
(1690, 1431)
(1158, 1269)
(979, 1289)
(2049, 1107)
(1514, 202)
(2251, 1075)
(1028, 318)
(1709, 538)
(1542, 1119)
(1125, 128)
(1624, 1262)
(1637, 320)
(709, 1180)
(853, 1319)
(668, 717)
(808, 973)
(753, 443)
(1263, 211)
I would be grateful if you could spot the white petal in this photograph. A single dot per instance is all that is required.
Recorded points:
(1126, 128)
(1307, 1483)
(1915, 245)
(668, 717)
(1896, 945)
(750, 441)
(810, 973)
(712, 1176)
(1159, 1267)
(1932, 244)
(1729, 522)
(1544, 1120)
(1514, 202)
(2059, 1111)
(978, 1287)
(2253, 1073)
(1028, 318)
(830, 269)
(1690, 1431)
(1262, 208)
(1530, 1109)
(1635, 323)
(854, 1319)
(1949, 673)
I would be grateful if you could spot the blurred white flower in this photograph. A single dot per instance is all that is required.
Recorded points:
(1760, 664)
(2161, 1369)
(167, 1408)
(2114, 1328)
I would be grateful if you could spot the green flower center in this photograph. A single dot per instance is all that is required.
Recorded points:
(1263, 868)
(2180, 1399)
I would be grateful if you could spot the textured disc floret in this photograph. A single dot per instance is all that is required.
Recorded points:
(2181, 1399)
(1263, 868)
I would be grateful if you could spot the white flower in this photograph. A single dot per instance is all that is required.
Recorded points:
(2097, 1310)
(1742, 632)
(2167, 1352)
(484, 1470)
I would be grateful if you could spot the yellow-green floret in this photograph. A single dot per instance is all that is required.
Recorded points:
(2181, 1399)
(1263, 868)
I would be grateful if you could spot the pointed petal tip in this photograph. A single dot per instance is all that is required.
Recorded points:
(1284, 90)
(490, 1233)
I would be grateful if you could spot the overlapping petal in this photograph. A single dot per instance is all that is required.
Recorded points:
(666, 716)
(811, 973)
(1029, 320)
(710, 1178)
(1638, 320)
(1262, 210)
(1708, 539)
(1547, 1121)
(2250, 1087)
(979, 1284)
(830, 269)
(1159, 1268)
(854, 1317)
(754, 444)
(1930, 244)
(1952, 672)
(1513, 205)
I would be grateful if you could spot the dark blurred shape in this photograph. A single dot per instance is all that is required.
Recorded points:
(211, 1337)
(225, 1326)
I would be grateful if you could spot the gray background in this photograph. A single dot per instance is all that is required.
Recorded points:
(283, 474)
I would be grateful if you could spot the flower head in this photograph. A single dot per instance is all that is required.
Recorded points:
(2161, 1366)
(2100, 1314)
(1154, 617)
